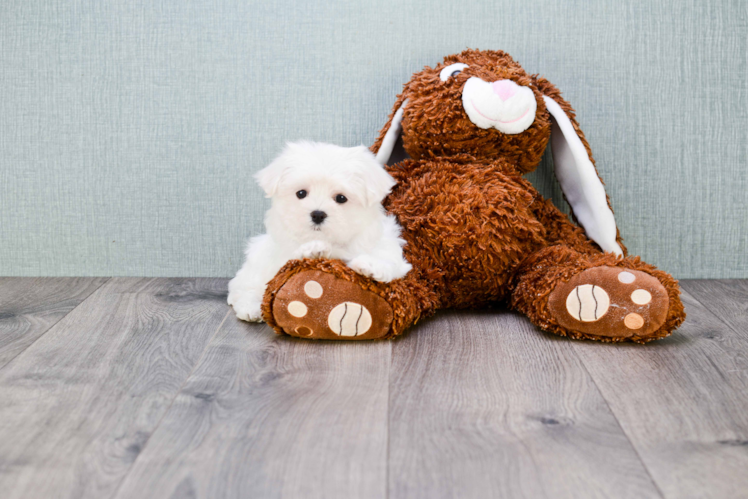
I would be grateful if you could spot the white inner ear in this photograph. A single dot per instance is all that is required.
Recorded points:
(390, 138)
(579, 181)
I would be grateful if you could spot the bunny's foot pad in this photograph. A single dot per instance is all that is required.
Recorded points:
(317, 305)
(611, 302)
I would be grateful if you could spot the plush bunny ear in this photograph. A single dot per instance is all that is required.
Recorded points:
(389, 147)
(578, 177)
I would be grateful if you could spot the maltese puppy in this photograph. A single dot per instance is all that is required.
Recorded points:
(326, 203)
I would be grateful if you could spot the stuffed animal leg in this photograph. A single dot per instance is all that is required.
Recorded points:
(324, 299)
(597, 296)
(458, 140)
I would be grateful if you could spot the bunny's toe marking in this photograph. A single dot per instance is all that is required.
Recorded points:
(610, 302)
(633, 321)
(303, 331)
(297, 309)
(587, 303)
(313, 289)
(626, 277)
(349, 319)
(641, 297)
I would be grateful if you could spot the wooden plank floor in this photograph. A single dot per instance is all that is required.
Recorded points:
(128, 387)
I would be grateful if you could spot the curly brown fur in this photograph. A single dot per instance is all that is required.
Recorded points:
(435, 124)
(477, 232)
(472, 248)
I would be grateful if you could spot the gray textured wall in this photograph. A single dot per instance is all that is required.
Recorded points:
(129, 130)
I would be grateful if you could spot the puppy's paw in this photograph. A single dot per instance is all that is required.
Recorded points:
(247, 305)
(377, 269)
(248, 310)
(232, 298)
(316, 249)
(238, 289)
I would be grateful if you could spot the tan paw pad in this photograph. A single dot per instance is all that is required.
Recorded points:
(297, 309)
(313, 289)
(626, 277)
(349, 319)
(641, 297)
(633, 321)
(587, 303)
(303, 331)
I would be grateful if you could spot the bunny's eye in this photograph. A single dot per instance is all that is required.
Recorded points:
(301, 194)
(451, 70)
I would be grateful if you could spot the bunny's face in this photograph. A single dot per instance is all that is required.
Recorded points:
(481, 106)
(478, 102)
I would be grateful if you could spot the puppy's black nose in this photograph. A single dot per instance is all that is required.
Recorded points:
(318, 216)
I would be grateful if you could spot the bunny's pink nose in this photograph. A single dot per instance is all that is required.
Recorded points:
(504, 89)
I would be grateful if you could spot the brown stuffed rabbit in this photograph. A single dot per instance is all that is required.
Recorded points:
(477, 232)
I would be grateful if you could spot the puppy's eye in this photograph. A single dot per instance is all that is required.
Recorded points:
(341, 199)
(301, 194)
(451, 70)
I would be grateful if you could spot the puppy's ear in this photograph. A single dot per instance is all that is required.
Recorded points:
(576, 173)
(373, 180)
(270, 177)
(386, 147)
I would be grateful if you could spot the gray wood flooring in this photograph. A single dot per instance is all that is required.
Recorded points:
(129, 387)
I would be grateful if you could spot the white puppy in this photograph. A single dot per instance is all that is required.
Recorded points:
(327, 202)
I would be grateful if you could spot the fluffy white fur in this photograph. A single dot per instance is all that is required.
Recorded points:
(358, 231)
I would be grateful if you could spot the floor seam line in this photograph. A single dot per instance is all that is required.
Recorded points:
(389, 406)
(107, 279)
(712, 312)
(171, 403)
(620, 426)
